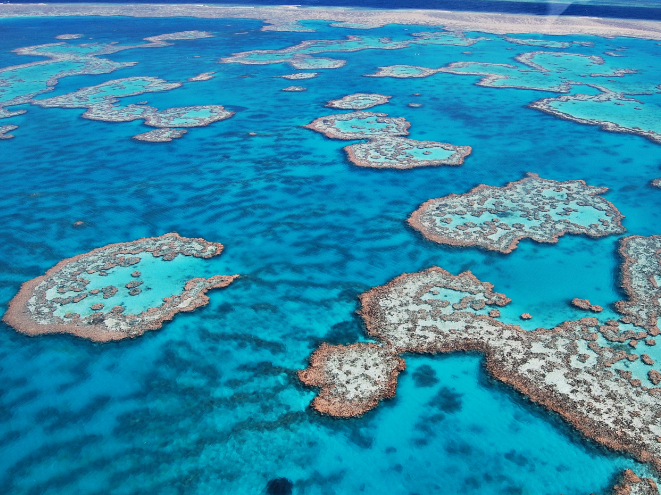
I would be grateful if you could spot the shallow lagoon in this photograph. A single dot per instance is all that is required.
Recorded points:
(210, 403)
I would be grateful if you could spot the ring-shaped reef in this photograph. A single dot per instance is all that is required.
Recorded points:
(359, 101)
(359, 125)
(497, 218)
(117, 291)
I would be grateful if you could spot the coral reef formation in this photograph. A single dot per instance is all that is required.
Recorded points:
(294, 89)
(586, 305)
(359, 125)
(68, 36)
(204, 76)
(568, 369)
(398, 152)
(547, 43)
(359, 101)
(50, 303)
(300, 75)
(631, 484)
(4, 129)
(496, 218)
(403, 71)
(163, 135)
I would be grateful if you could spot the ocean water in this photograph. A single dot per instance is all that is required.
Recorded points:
(211, 403)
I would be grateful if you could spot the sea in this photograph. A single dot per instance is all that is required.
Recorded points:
(211, 403)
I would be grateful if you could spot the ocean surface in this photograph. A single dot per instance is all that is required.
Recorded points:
(211, 402)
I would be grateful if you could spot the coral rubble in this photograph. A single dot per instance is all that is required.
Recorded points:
(496, 218)
(40, 307)
(359, 101)
(398, 152)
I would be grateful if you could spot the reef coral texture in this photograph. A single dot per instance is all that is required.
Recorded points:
(33, 310)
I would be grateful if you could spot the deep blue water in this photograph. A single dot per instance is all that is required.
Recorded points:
(211, 403)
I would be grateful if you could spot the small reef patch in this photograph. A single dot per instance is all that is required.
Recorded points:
(204, 76)
(294, 89)
(403, 71)
(4, 129)
(359, 101)
(359, 125)
(100, 295)
(164, 135)
(300, 75)
(497, 218)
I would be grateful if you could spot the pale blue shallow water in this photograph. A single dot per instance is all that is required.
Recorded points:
(211, 403)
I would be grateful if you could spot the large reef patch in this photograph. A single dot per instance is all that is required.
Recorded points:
(107, 294)
(570, 369)
(497, 218)
(359, 125)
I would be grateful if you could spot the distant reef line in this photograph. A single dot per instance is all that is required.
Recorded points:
(284, 18)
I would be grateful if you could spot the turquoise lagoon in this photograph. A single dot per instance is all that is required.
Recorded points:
(211, 403)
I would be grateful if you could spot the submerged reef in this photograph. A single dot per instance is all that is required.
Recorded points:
(403, 71)
(496, 218)
(631, 484)
(611, 111)
(547, 43)
(301, 56)
(101, 104)
(71, 296)
(204, 76)
(359, 101)
(402, 153)
(300, 75)
(294, 89)
(163, 135)
(569, 369)
(19, 84)
(68, 36)
(359, 125)
(4, 129)
(586, 305)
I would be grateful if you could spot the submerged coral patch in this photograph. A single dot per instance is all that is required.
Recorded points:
(93, 295)
(403, 71)
(397, 152)
(68, 36)
(547, 43)
(496, 218)
(204, 76)
(300, 75)
(4, 129)
(359, 101)
(163, 135)
(294, 89)
(359, 125)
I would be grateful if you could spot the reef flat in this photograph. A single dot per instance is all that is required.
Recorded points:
(286, 18)
(359, 125)
(402, 153)
(100, 104)
(568, 369)
(497, 218)
(403, 72)
(547, 43)
(75, 295)
(359, 101)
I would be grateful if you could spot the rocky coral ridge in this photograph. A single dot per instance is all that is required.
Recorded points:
(386, 148)
(565, 368)
(32, 311)
(496, 218)
(631, 484)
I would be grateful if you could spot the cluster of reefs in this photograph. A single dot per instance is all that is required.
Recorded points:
(547, 43)
(359, 101)
(567, 369)
(287, 17)
(385, 148)
(4, 129)
(496, 218)
(19, 84)
(100, 103)
(33, 310)
(301, 56)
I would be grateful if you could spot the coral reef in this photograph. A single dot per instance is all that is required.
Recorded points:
(300, 75)
(496, 218)
(609, 110)
(656, 182)
(294, 89)
(547, 43)
(397, 152)
(631, 484)
(566, 369)
(586, 305)
(204, 76)
(68, 36)
(359, 101)
(163, 135)
(37, 308)
(359, 125)
(641, 277)
(352, 379)
(4, 129)
(403, 71)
